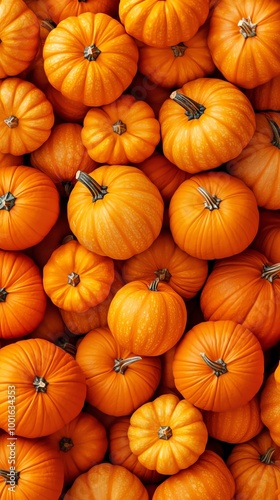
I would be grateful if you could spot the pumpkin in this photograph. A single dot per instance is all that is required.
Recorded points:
(218, 365)
(6, 159)
(265, 97)
(178, 64)
(162, 24)
(123, 132)
(270, 406)
(52, 326)
(167, 434)
(243, 41)
(144, 89)
(81, 443)
(19, 34)
(29, 206)
(235, 426)
(146, 317)
(208, 477)
(64, 108)
(255, 467)
(205, 123)
(26, 116)
(29, 468)
(61, 155)
(115, 211)
(244, 288)
(213, 215)
(166, 261)
(22, 296)
(76, 279)
(107, 481)
(121, 454)
(267, 240)
(47, 381)
(67, 8)
(117, 380)
(90, 51)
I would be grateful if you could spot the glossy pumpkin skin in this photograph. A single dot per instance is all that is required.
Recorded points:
(107, 481)
(29, 206)
(22, 296)
(47, 381)
(96, 48)
(146, 317)
(117, 381)
(205, 123)
(162, 24)
(123, 132)
(76, 279)
(267, 240)
(213, 215)
(61, 155)
(167, 434)
(19, 35)
(270, 407)
(93, 212)
(81, 443)
(178, 64)
(26, 116)
(39, 466)
(243, 41)
(244, 288)
(165, 260)
(218, 365)
(255, 467)
(208, 477)
(67, 8)
(258, 164)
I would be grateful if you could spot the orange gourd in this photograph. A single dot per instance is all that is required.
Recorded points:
(66, 8)
(267, 240)
(270, 406)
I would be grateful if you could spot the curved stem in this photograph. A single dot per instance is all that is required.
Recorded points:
(121, 365)
(119, 127)
(247, 28)
(11, 121)
(179, 49)
(63, 343)
(40, 384)
(3, 294)
(73, 279)
(270, 272)
(163, 274)
(219, 367)
(98, 192)
(211, 202)
(65, 444)
(194, 109)
(266, 457)
(91, 52)
(165, 432)
(154, 285)
(8, 476)
(276, 133)
(48, 24)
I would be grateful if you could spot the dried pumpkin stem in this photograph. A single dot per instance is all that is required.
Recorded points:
(119, 127)
(98, 192)
(91, 52)
(165, 432)
(11, 121)
(40, 384)
(64, 344)
(65, 444)
(266, 457)
(194, 110)
(121, 365)
(3, 294)
(6, 474)
(154, 285)
(73, 279)
(179, 49)
(48, 24)
(163, 274)
(7, 201)
(276, 133)
(211, 202)
(270, 272)
(247, 28)
(219, 367)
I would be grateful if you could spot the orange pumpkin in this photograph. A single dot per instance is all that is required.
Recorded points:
(265, 97)
(218, 365)
(267, 240)
(144, 89)
(64, 108)
(205, 123)
(6, 159)
(66, 8)
(90, 51)
(26, 116)
(270, 406)
(46, 381)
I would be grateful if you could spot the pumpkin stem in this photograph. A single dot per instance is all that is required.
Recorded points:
(11, 121)
(211, 201)
(121, 365)
(98, 192)
(8, 476)
(91, 52)
(48, 24)
(219, 367)
(3, 294)
(165, 432)
(270, 272)
(64, 344)
(73, 279)
(247, 28)
(154, 285)
(7, 201)
(276, 133)
(179, 49)
(266, 457)
(194, 110)
(119, 127)
(163, 274)
(40, 384)
(65, 444)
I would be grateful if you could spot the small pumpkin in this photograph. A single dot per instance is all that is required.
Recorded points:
(267, 240)
(265, 97)
(67, 8)
(270, 406)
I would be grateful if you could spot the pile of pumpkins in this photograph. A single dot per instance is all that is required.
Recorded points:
(139, 249)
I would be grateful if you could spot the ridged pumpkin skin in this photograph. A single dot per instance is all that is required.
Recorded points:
(66, 8)
(270, 407)
(208, 477)
(118, 213)
(64, 108)
(162, 24)
(218, 365)
(244, 288)
(267, 240)
(47, 381)
(167, 434)
(205, 123)
(90, 51)
(38, 464)
(213, 215)
(265, 97)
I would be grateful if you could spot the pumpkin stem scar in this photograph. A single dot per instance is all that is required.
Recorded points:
(7, 201)
(3, 294)
(73, 279)
(11, 121)
(194, 109)
(179, 49)
(165, 432)
(65, 444)
(119, 127)
(247, 28)
(40, 384)
(163, 274)
(91, 52)
(219, 367)
(121, 365)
